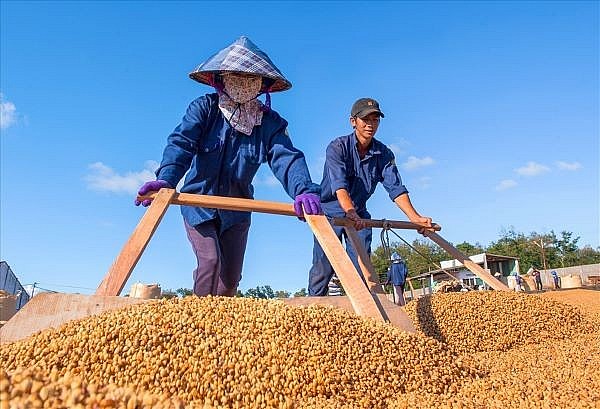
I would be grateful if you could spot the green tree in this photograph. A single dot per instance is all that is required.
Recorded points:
(425, 257)
(301, 293)
(419, 258)
(282, 294)
(184, 292)
(265, 292)
(566, 247)
(587, 255)
(517, 245)
(543, 244)
(469, 249)
(531, 250)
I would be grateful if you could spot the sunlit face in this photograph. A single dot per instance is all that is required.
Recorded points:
(242, 88)
(365, 127)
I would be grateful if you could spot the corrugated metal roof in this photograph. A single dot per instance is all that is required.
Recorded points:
(10, 283)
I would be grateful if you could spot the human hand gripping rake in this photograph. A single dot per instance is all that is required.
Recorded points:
(366, 298)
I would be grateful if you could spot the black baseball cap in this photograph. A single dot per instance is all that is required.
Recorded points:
(365, 106)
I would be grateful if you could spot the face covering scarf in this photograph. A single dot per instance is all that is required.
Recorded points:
(238, 101)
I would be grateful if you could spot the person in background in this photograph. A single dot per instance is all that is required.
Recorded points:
(556, 279)
(396, 276)
(219, 145)
(518, 282)
(354, 165)
(537, 277)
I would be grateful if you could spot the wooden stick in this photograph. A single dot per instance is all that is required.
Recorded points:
(468, 263)
(361, 298)
(229, 203)
(364, 261)
(121, 269)
(393, 314)
(412, 290)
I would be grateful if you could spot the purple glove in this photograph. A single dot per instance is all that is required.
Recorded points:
(148, 187)
(310, 202)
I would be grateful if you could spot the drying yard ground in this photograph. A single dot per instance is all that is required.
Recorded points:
(472, 350)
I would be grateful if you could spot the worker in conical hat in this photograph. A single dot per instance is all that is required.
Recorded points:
(241, 57)
(219, 145)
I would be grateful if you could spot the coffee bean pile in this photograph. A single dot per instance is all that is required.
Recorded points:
(473, 350)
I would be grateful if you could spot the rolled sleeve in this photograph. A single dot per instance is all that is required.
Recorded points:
(336, 167)
(392, 181)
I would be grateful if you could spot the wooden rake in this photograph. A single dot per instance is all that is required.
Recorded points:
(366, 297)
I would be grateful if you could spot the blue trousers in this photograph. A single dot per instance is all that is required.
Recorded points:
(322, 271)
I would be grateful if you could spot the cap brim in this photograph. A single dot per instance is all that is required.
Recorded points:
(368, 111)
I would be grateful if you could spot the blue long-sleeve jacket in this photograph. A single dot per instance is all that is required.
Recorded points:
(221, 161)
(345, 170)
(397, 273)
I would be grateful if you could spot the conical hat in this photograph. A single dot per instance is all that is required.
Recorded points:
(241, 56)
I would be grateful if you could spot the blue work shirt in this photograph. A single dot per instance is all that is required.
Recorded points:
(223, 161)
(397, 273)
(345, 170)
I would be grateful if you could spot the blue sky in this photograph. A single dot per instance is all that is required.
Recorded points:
(491, 109)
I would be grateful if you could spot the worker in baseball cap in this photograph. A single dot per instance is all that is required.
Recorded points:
(354, 165)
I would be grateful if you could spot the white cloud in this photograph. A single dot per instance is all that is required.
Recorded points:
(413, 162)
(8, 113)
(105, 179)
(399, 145)
(506, 184)
(397, 149)
(568, 166)
(424, 182)
(316, 168)
(532, 169)
(267, 180)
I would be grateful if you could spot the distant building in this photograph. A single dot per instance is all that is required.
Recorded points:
(10, 284)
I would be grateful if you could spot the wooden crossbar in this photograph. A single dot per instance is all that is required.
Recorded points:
(342, 221)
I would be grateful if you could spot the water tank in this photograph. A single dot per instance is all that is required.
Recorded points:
(571, 281)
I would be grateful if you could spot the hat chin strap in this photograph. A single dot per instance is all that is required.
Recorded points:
(267, 104)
